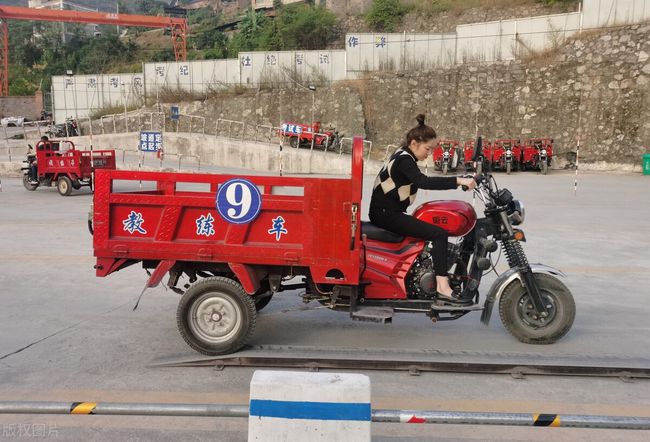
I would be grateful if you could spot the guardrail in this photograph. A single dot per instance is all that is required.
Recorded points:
(367, 146)
(377, 415)
(191, 120)
(221, 121)
(141, 157)
(125, 116)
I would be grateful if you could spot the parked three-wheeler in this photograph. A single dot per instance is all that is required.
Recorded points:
(479, 164)
(446, 156)
(537, 154)
(230, 243)
(59, 162)
(506, 155)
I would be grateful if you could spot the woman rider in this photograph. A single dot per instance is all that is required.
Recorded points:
(395, 189)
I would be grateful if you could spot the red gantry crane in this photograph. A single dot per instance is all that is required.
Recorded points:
(178, 27)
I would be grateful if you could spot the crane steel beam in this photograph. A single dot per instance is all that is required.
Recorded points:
(178, 28)
(4, 58)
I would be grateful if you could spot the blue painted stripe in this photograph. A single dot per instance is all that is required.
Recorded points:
(329, 411)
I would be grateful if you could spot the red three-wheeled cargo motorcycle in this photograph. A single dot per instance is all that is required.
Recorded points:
(244, 239)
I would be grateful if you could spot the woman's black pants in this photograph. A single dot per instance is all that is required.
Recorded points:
(403, 224)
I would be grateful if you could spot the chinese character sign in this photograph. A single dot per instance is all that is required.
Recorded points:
(68, 82)
(175, 113)
(114, 81)
(278, 228)
(324, 58)
(205, 225)
(271, 59)
(300, 59)
(184, 70)
(92, 83)
(291, 128)
(380, 42)
(133, 223)
(160, 71)
(151, 141)
(246, 61)
(353, 41)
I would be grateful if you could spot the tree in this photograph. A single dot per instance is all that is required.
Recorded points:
(307, 27)
(384, 15)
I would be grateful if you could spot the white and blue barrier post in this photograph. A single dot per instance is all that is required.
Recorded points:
(299, 406)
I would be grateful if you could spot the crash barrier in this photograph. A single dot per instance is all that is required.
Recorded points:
(379, 416)
(301, 406)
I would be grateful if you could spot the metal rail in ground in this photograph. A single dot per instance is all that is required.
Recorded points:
(415, 362)
(386, 416)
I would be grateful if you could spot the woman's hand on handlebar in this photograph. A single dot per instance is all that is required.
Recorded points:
(468, 183)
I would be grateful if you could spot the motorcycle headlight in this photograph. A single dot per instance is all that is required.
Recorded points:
(543, 151)
(517, 212)
(446, 153)
(508, 152)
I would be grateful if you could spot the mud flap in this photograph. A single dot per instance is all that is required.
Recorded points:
(161, 270)
(247, 277)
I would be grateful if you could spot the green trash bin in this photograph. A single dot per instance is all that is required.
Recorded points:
(646, 164)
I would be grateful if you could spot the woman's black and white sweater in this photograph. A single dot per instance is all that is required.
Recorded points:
(399, 180)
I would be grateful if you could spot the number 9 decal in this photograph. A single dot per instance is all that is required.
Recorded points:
(238, 201)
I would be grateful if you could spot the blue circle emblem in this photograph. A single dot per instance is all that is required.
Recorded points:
(239, 201)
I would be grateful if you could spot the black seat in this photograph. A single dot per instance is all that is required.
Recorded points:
(379, 234)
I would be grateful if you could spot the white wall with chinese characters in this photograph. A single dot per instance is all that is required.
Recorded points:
(289, 66)
(376, 51)
(191, 76)
(77, 96)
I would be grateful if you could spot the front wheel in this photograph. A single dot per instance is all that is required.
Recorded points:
(216, 316)
(64, 186)
(520, 319)
(445, 168)
(508, 167)
(29, 186)
(544, 167)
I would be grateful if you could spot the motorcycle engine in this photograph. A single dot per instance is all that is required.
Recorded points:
(421, 279)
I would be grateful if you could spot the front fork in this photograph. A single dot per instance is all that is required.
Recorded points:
(479, 245)
(517, 260)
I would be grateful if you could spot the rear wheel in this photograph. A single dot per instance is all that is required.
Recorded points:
(520, 319)
(64, 186)
(29, 186)
(216, 316)
(294, 142)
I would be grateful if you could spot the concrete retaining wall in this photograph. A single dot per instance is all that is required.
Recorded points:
(221, 152)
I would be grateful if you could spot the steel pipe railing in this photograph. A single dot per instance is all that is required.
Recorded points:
(385, 416)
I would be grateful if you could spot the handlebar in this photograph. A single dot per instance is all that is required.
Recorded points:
(476, 178)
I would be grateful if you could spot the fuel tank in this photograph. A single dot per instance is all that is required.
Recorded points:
(456, 217)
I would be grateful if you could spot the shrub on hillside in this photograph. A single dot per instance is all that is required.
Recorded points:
(385, 15)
